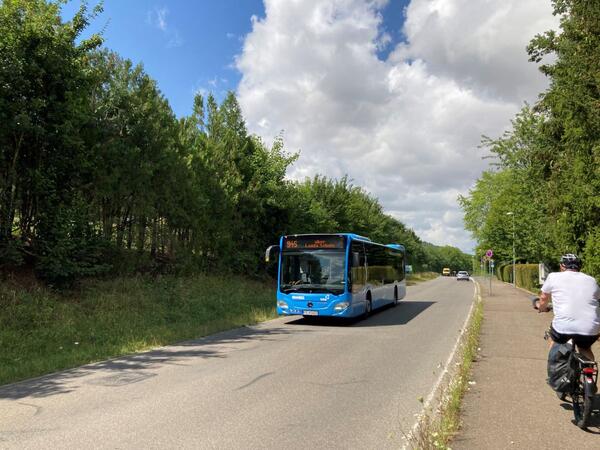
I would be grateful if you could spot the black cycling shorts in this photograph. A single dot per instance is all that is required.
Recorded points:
(581, 340)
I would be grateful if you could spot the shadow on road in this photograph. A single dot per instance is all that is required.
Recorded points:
(386, 316)
(594, 423)
(135, 368)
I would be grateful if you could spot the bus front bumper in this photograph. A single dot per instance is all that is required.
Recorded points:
(327, 305)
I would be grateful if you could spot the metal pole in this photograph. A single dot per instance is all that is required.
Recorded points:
(490, 275)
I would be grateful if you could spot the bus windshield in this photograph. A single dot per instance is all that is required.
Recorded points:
(313, 271)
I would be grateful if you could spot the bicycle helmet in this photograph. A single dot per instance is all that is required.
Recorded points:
(570, 261)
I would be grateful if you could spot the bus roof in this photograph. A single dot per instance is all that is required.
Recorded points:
(396, 246)
(352, 236)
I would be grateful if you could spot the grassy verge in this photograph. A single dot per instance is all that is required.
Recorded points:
(415, 278)
(437, 428)
(42, 331)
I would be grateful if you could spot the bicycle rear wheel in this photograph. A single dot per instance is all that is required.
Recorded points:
(583, 403)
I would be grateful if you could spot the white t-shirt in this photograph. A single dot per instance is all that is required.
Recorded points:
(575, 298)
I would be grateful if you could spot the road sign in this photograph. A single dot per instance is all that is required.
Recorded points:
(489, 253)
(492, 263)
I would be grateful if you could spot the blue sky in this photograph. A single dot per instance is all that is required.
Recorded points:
(184, 45)
(191, 45)
(393, 19)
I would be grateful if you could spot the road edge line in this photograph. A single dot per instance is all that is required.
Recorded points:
(423, 415)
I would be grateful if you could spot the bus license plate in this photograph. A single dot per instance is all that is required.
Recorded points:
(310, 313)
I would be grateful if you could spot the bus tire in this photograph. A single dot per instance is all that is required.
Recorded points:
(368, 306)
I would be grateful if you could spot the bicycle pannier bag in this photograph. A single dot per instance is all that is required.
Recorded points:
(561, 368)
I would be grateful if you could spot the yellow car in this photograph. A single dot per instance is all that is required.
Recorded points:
(446, 272)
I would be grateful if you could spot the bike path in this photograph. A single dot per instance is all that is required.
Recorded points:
(509, 405)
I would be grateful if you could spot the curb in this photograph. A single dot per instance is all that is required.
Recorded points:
(446, 372)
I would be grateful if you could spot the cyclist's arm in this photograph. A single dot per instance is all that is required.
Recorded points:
(544, 301)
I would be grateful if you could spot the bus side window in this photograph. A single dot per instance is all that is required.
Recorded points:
(377, 261)
(402, 267)
(398, 266)
(357, 270)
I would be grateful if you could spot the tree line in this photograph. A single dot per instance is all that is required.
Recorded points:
(545, 189)
(98, 176)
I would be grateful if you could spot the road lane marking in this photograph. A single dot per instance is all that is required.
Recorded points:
(429, 399)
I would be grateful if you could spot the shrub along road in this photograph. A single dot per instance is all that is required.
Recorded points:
(281, 384)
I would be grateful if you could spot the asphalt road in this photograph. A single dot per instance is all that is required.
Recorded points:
(284, 384)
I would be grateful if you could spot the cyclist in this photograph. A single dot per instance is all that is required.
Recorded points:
(575, 297)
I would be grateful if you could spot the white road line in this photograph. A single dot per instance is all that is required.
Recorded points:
(429, 399)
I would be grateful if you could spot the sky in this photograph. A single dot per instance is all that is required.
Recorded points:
(396, 94)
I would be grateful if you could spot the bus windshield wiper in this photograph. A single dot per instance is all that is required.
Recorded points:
(311, 289)
(297, 288)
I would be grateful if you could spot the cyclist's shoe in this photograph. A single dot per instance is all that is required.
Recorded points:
(562, 396)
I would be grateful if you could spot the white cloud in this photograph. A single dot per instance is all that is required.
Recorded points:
(161, 18)
(480, 44)
(157, 17)
(408, 128)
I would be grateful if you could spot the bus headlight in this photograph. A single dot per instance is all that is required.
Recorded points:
(282, 304)
(341, 306)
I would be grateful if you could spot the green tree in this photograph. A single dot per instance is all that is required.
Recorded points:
(136, 157)
(549, 162)
(44, 86)
(572, 125)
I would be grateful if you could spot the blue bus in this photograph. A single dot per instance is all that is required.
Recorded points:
(337, 275)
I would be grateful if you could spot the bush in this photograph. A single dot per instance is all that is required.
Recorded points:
(69, 247)
(11, 253)
(528, 276)
(500, 271)
(507, 273)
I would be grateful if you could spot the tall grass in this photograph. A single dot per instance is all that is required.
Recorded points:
(42, 331)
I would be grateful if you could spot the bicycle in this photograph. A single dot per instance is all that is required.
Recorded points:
(584, 385)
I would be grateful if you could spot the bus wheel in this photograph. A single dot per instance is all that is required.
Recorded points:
(368, 307)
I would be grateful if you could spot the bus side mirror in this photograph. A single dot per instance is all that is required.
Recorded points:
(272, 249)
(355, 259)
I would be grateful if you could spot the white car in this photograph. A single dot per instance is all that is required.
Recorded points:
(462, 275)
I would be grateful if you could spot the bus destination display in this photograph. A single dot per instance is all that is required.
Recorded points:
(314, 243)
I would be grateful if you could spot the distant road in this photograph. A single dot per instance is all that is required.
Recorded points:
(282, 384)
